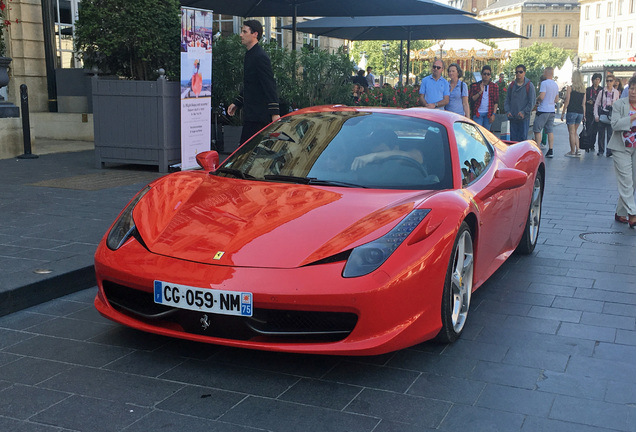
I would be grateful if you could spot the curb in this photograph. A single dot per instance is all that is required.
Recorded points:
(45, 290)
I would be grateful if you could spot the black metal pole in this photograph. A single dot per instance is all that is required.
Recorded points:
(408, 57)
(48, 26)
(26, 124)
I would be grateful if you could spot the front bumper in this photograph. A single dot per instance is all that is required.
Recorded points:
(307, 309)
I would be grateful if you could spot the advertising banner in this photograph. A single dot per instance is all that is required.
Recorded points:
(196, 84)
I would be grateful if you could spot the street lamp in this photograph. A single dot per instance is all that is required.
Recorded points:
(385, 51)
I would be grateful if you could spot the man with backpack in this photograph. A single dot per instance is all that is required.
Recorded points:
(520, 99)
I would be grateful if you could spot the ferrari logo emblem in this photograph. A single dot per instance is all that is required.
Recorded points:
(205, 322)
(218, 255)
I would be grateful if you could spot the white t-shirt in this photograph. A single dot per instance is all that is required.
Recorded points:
(551, 89)
(483, 106)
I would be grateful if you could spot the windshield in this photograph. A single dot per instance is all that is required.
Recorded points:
(347, 149)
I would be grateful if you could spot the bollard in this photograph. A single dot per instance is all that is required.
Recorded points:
(505, 130)
(26, 127)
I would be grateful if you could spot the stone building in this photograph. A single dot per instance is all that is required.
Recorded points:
(551, 21)
(606, 40)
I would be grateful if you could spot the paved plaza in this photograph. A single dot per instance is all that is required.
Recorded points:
(549, 344)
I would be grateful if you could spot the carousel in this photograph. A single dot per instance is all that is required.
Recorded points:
(469, 54)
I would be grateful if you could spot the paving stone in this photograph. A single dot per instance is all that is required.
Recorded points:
(400, 408)
(201, 402)
(22, 402)
(69, 351)
(556, 314)
(324, 394)
(372, 376)
(114, 386)
(591, 332)
(282, 416)
(595, 413)
(480, 419)
(531, 357)
(170, 422)
(572, 384)
(515, 400)
(450, 366)
(227, 377)
(31, 371)
(456, 390)
(609, 370)
(88, 414)
(511, 375)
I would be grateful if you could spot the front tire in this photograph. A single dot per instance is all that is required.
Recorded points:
(531, 231)
(458, 286)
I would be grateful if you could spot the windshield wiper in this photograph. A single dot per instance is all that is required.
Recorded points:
(311, 181)
(320, 182)
(235, 172)
(287, 178)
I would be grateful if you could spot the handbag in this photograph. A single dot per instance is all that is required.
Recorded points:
(605, 114)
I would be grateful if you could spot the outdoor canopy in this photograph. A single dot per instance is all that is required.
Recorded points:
(408, 27)
(321, 8)
(420, 27)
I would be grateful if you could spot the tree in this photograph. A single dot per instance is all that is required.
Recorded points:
(375, 55)
(536, 58)
(132, 39)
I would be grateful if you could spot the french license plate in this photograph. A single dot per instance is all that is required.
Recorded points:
(203, 300)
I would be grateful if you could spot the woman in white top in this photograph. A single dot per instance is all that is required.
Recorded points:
(605, 99)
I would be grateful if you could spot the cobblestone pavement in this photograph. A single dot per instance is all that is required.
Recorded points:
(549, 346)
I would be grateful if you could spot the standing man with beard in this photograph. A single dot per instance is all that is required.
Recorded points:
(259, 97)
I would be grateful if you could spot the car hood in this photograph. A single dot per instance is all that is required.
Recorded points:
(216, 220)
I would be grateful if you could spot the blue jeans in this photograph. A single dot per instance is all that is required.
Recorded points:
(482, 120)
(519, 129)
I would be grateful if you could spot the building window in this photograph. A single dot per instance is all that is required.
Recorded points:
(311, 40)
(65, 17)
(529, 31)
(619, 7)
(223, 24)
(568, 30)
(277, 34)
(597, 40)
(598, 10)
(555, 30)
(586, 41)
(619, 38)
(609, 9)
(629, 43)
(632, 6)
(542, 30)
(608, 39)
(587, 12)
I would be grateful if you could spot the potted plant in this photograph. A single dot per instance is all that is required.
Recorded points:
(136, 114)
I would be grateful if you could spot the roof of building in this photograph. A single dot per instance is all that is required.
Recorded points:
(499, 4)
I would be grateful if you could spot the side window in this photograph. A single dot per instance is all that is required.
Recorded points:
(474, 151)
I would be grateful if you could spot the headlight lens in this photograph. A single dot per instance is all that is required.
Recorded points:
(125, 225)
(366, 258)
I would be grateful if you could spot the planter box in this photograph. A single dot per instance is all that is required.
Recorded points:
(136, 122)
(496, 125)
(231, 138)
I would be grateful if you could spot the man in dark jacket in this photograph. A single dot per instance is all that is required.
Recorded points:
(520, 98)
(259, 97)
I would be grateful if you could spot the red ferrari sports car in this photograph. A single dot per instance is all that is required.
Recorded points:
(334, 230)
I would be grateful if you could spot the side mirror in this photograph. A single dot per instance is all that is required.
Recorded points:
(208, 160)
(504, 179)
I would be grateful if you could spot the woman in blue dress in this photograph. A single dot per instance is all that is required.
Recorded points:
(458, 91)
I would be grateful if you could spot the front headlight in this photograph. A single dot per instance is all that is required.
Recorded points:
(366, 258)
(125, 225)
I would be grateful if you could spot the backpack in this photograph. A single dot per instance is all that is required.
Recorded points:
(527, 87)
